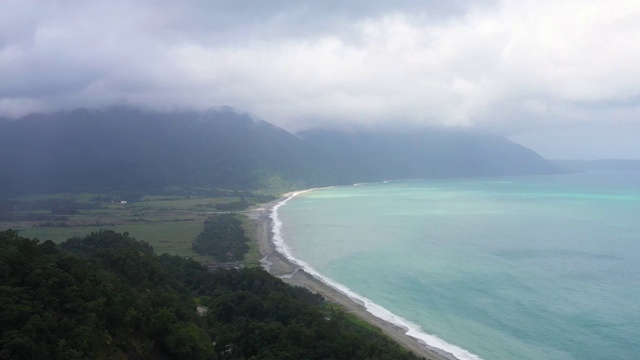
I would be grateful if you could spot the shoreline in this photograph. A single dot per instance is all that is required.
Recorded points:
(280, 266)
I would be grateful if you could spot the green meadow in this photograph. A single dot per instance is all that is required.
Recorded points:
(169, 223)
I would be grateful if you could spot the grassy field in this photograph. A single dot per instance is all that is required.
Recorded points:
(169, 223)
(252, 258)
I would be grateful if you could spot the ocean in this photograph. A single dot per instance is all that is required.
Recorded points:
(538, 267)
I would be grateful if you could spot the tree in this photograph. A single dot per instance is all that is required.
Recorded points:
(223, 238)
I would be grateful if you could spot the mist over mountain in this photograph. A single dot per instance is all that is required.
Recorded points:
(127, 148)
(425, 153)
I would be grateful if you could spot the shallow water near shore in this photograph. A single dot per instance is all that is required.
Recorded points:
(544, 267)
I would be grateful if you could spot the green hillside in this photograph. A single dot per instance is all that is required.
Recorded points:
(129, 149)
(108, 296)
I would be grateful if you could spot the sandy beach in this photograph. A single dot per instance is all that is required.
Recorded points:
(278, 265)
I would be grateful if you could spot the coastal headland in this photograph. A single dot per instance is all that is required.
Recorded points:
(280, 266)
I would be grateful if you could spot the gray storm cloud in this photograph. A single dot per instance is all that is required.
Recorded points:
(518, 68)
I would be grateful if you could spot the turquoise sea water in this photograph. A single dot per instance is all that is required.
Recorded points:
(544, 267)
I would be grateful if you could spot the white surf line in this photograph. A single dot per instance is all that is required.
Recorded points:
(431, 342)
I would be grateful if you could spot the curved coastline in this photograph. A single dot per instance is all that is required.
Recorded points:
(435, 348)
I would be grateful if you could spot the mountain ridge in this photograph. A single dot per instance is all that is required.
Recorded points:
(129, 148)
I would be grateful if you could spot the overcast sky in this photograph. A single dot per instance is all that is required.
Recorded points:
(562, 77)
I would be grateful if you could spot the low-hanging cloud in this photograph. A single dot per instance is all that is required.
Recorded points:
(506, 66)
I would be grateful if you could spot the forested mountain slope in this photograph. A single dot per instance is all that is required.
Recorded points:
(108, 296)
(425, 153)
(129, 149)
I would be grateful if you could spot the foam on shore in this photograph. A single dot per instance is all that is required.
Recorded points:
(431, 342)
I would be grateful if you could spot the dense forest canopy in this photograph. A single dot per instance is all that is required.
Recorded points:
(108, 296)
(223, 238)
